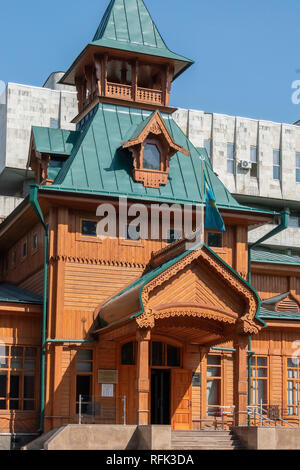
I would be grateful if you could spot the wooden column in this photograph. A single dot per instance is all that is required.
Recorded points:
(134, 77)
(241, 380)
(143, 376)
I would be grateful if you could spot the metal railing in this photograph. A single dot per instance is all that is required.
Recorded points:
(273, 415)
(219, 417)
(101, 410)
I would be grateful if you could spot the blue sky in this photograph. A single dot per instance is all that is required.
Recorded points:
(246, 52)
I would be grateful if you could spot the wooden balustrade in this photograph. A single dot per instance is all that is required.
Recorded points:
(125, 92)
(147, 95)
(116, 90)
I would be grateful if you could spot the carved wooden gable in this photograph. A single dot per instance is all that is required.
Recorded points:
(195, 286)
(152, 148)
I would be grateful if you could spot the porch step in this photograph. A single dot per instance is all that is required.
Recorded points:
(38, 444)
(205, 440)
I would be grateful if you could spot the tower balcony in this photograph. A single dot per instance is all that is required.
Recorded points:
(130, 93)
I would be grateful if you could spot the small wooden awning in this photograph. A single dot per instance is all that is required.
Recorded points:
(190, 294)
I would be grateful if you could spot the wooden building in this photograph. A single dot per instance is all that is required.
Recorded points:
(179, 332)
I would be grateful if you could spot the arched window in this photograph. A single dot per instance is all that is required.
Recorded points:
(151, 157)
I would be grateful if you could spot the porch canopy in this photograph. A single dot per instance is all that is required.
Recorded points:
(188, 294)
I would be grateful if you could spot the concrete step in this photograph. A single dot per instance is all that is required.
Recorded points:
(205, 440)
(38, 444)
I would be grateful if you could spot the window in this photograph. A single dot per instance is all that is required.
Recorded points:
(276, 164)
(297, 167)
(84, 369)
(294, 221)
(293, 385)
(18, 366)
(164, 355)
(214, 239)
(133, 232)
(253, 159)
(54, 123)
(213, 384)
(173, 235)
(230, 158)
(14, 258)
(88, 228)
(259, 380)
(128, 354)
(151, 157)
(207, 146)
(24, 249)
(34, 242)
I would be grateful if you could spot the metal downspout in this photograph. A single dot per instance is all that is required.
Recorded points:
(282, 226)
(34, 202)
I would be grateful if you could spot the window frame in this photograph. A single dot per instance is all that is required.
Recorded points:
(297, 167)
(219, 378)
(86, 238)
(295, 381)
(254, 162)
(254, 387)
(231, 159)
(84, 374)
(277, 165)
(21, 373)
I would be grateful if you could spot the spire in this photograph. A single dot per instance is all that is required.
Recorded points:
(129, 21)
(128, 26)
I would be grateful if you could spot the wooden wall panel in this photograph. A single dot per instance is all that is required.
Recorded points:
(20, 330)
(87, 285)
(34, 283)
(268, 285)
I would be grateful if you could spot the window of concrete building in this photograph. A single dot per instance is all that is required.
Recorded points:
(294, 221)
(253, 159)
(230, 158)
(297, 167)
(54, 123)
(207, 146)
(276, 165)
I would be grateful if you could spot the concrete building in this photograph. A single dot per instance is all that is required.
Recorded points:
(258, 161)
(21, 107)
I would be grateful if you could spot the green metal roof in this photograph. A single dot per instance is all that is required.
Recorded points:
(277, 315)
(128, 25)
(265, 255)
(98, 165)
(54, 141)
(275, 299)
(11, 293)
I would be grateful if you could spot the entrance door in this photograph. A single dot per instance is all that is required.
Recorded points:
(160, 396)
(181, 399)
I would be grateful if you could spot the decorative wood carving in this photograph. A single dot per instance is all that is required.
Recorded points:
(156, 133)
(245, 324)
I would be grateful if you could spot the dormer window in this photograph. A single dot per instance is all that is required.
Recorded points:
(152, 148)
(151, 157)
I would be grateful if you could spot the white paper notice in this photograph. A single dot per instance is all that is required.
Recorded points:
(107, 390)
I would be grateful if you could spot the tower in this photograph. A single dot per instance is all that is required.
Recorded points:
(127, 62)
